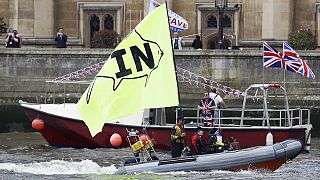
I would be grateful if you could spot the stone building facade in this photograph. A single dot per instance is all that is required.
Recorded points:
(247, 22)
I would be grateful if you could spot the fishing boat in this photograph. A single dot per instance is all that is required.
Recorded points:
(142, 69)
(264, 157)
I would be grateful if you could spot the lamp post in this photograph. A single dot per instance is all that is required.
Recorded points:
(221, 4)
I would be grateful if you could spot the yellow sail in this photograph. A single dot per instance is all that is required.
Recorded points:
(139, 74)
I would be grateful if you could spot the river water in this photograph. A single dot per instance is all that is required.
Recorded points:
(27, 156)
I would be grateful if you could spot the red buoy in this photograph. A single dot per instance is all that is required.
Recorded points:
(144, 138)
(38, 124)
(115, 140)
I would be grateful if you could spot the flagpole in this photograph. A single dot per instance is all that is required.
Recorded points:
(284, 69)
(175, 69)
(284, 79)
(263, 63)
(174, 62)
(269, 136)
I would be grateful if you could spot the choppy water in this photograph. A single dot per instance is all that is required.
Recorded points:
(27, 156)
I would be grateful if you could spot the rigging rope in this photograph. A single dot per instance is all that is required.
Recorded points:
(182, 74)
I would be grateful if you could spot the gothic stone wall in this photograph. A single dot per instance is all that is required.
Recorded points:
(23, 73)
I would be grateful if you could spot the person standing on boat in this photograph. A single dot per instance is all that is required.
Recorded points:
(177, 134)
(219, 103)
(207, 105)
(198, 144)
(213, 145)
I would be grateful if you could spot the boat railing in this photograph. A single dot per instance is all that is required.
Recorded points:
(253, 117)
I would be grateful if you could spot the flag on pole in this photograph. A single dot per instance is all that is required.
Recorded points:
(292, 57)
(272, 57)
(177, 23)
(288, 60)
(139, 74)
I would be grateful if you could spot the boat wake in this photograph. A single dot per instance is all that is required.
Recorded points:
(58, 167)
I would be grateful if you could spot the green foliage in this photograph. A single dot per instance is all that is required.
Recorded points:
(3, 26)
(105, 39)
(302, 40)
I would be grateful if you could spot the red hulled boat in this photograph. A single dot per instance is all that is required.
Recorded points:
(63, 126)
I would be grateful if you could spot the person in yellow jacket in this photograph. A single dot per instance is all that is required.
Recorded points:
(177, 142)
(213, 144)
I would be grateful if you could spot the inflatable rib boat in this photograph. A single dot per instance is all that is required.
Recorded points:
(263, 157)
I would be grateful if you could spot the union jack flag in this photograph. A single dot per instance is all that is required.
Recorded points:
(273, 58)
(298, 64)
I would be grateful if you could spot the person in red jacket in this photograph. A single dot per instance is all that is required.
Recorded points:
(198, 144)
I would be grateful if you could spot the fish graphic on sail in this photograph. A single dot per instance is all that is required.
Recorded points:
(139, 74)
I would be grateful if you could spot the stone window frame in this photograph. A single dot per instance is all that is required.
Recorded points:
(207, 21)
(230, 22)
(84, 6)
(233, 10)
(226, 16)
(90, 17)
(113, 21)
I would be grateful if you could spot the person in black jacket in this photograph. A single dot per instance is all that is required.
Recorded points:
(213, 145)
(61, 39)
(197, 43)
(12, 39)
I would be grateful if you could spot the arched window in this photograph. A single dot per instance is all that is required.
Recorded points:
(94, 24)
(227, 21)
(108, 22)
(211, 21)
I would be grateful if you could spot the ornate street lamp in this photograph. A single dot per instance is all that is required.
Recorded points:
(221, 4)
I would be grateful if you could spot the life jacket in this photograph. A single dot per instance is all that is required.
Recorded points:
(210, 147)
(213, 144)
(176, 132)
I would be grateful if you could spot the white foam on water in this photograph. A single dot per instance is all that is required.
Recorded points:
(59, 167)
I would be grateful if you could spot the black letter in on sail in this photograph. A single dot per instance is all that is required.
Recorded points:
(137, 54)
(122, 68)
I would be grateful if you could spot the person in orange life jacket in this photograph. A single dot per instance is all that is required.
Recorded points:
(198, 144)
(207, 105)
(177, 134)
(213, 145)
